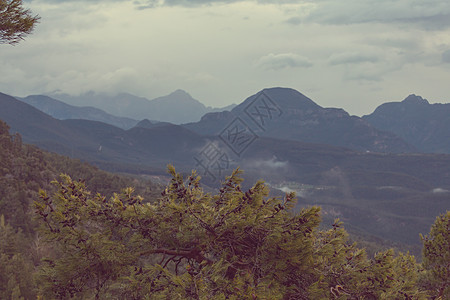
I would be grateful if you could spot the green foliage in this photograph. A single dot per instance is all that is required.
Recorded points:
(346, 272)
(16, 280)
(23, 169)
(15, 21)
(436, 258)
(192, 245)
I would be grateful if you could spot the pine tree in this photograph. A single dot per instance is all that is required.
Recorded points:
(16, 280)
(15, 21)
(191, 245)
(436, 258)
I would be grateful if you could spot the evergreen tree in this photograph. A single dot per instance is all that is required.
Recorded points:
(15, 21)
(191, 245)
(16, 268)
(436, 258)
(23, 169)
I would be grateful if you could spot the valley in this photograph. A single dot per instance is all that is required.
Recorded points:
(375, 181)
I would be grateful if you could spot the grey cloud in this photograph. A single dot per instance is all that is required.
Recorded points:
(434, 22)
(362, 77)
(428, 14)
(272, 163)
(375, 72)
(282, 61)
(440, 191)
(392, 40)
(351, 58)
(147, 4)
(75, 1)
(210, 2)
(194, 2)
(294, 21)
(446, 56)
(155, 3)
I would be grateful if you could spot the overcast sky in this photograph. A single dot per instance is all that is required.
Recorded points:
(354, 54)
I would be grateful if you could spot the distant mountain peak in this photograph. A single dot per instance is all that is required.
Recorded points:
(414, 99)
(423, 125)
(280, 88)
(286, 98)
(177, 97)
(284, 113)
(146, 123)
(180, 92)
(180, 95)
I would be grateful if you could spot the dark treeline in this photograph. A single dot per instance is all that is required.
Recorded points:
(24, 169)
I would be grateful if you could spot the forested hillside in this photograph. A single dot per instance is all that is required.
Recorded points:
(93, 243)
(25, 169)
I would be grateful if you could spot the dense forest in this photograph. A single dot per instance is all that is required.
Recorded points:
(24, 169)
(69, 230)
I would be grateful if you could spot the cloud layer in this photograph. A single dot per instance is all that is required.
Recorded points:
(282, 61)
(351, 53)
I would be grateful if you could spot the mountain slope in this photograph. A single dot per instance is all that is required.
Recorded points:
(392, 196)
(424, 125)
(98, 142)
(389, 196)
(34, 125)
(67, 137)
(24, 169)
(63, 111)
(287, 114)
(177, 108)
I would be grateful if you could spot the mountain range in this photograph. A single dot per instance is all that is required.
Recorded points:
(287, 114)
(412, 125)
(373, 180)
(62, 111)
(95, 141)
(177, 108)
(425, 126)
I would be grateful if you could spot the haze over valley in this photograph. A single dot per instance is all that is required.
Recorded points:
(381, 180)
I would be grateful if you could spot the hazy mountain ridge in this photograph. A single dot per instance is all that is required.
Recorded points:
(301, 119)
(139, 108)
(89, 140)
(63, 111)
(424, 125)
(393, 196)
